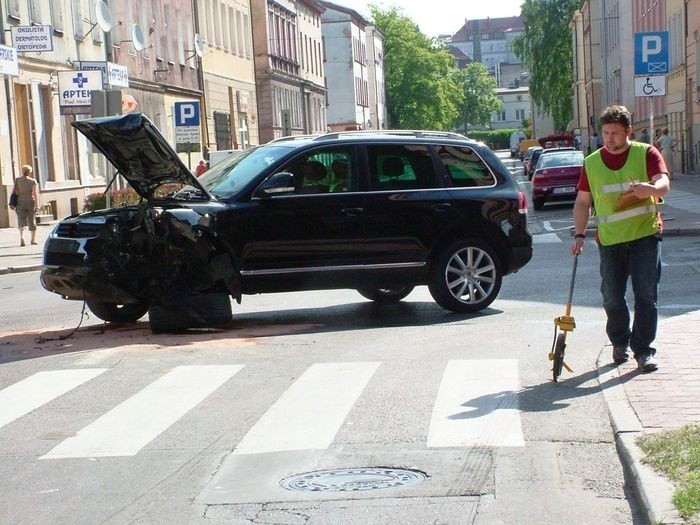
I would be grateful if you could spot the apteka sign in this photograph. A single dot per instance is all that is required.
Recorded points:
(75, 88)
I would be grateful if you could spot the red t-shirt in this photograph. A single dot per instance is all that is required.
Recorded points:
(655, 164)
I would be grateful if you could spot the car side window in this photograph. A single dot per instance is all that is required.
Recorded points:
(464, 167)
(329, 170)
(400, 167)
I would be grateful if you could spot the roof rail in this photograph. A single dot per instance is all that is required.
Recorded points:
(293, 137)
(397, 132)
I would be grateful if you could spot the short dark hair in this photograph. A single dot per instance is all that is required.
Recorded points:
(616, 115)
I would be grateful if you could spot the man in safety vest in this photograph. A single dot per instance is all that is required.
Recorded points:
(624, 181)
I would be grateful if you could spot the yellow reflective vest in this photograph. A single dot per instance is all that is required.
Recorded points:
(617, 224)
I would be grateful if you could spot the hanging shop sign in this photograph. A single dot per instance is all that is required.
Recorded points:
(9, 63)
(75, 90)
(32, 38)
(113, 75)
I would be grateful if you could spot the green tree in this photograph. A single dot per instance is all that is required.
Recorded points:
(422, 87)
(480, 100)
(545, 48)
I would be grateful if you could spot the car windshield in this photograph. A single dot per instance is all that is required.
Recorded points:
(574, 158)
(229, 176)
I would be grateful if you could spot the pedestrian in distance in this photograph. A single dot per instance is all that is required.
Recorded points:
(624, 181)
(596, 142)
(666, 144)
(644, 136)
(27, 204)
(201, 168)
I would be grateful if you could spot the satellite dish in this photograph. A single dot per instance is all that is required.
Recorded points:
(104, 16)
(137, 38)
(198, 45)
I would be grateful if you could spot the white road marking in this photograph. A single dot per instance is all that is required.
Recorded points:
(545, 238)
(131, 425)
(477, 405)
(308, 415)
(31, 393)
(549, 225)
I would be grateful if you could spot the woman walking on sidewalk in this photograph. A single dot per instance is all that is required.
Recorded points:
(27, 204)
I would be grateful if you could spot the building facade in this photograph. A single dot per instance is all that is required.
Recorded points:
(354, 65)
(289, 67)
(33, 128)
(228, 74)
(603, 39)
(489, 41)
(139, 49)
(692, 53)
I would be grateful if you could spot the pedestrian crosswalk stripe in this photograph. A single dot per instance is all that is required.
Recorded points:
(131, 425)
(31, 393)
(477, 405)
(309, 414)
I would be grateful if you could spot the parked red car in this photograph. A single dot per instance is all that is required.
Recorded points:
(556, 176)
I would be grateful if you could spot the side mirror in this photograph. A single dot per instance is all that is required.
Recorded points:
(279, 184)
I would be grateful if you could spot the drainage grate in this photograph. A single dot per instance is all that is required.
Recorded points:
(352, 479)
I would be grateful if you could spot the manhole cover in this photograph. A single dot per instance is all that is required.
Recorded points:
(352, 479)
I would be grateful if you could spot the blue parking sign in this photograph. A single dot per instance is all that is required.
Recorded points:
(651, 53)
(186, 113)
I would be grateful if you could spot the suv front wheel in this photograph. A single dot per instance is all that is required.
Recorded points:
(466, 277)
(118, 313)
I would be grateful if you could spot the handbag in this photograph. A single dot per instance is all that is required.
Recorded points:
(13, 200)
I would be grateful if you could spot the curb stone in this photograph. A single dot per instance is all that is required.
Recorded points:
(654, 491)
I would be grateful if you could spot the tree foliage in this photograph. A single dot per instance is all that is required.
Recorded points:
(545, 48)
(480, 100)
(422, 87)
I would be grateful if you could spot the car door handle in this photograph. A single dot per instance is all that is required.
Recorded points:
(352, 211)
(442, 206)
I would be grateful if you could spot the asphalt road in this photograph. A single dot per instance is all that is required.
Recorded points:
(430, 416)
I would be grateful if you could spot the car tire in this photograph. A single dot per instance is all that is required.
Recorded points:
(385, 295)
(466, 276)
(197, 311)
(538, 203)
(117, 313)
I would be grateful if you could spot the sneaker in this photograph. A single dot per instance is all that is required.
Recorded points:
(620, 355)
(647, 363)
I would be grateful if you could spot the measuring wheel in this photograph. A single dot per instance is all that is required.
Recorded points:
(558, 358)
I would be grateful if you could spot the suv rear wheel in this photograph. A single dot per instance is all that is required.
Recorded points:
(385, 295)
(466, 276)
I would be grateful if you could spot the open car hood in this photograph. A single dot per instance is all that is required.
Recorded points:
(139, 151)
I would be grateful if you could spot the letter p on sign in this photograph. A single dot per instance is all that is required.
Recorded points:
(186, 113)
(651, 45)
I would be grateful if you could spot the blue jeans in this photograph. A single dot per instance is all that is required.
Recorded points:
(640, 260)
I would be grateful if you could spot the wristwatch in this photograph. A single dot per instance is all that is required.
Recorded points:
(580, 236)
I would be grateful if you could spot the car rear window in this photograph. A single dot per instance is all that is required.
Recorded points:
(464, 167)
(575, 158)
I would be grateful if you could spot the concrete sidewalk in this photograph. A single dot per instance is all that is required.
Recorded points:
(638, 403)
(16, 258)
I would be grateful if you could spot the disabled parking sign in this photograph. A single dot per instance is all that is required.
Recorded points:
(651, 53)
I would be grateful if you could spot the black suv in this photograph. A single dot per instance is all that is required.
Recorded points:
(379, 212)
